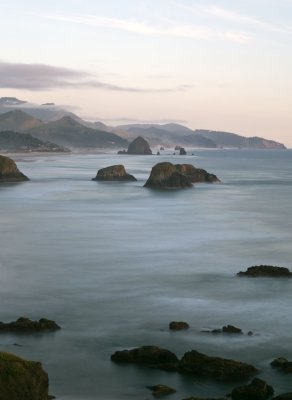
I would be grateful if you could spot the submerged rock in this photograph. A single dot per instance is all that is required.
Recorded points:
(27, 325)
(9, 171)
(256, 390)
(21, 379)
(113, 173)
(266, 271)
(149, 355)
(139, 146)
(178, 325)
(221, 369)
(161, 390)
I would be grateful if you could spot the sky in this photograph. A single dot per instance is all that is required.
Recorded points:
(221, 64)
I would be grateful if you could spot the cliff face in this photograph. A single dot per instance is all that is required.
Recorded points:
(9, 171)
(21, 379)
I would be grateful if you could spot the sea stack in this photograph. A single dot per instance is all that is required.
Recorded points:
(9, 171)
(166, 176)
(139, 146)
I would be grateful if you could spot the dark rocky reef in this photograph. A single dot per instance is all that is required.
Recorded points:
(178, 325)
(266, 271)
(27, 325)
(148, 355)
(139, 146)
(21, 379)
(217, 368)
(256, 390)
(166, 175)
(113, 173)
(193, 363)
(9, 171)
(282, 364)
(161, 390)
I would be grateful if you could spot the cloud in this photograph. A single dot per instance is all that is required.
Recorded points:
(45, 77)
(169, 29)
(235, 16)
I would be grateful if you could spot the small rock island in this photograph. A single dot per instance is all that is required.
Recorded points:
(9, 171)
(23, 324)
(166, 175)
(114, 173)
(266, 271)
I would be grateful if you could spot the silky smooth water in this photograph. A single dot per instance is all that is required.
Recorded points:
(114, 263)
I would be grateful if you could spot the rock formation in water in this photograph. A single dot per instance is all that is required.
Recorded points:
(9, 171)
(166, 175)
(217, 368)
(182, 152)
(113, 173)
(152, 356)
(257, 390)
(196, 175)
(139, 146)
(178, 325)
(161, 390)
(27, 325)
(282, 364)
(192, 363)
(21, 379)
(266, 271)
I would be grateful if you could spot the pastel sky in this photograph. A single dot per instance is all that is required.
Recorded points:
(221, 64)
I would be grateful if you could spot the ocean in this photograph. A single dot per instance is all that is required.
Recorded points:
(114, 263)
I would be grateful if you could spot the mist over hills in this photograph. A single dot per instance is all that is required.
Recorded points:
(52, 123)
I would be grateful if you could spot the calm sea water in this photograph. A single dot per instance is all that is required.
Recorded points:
(114, 263)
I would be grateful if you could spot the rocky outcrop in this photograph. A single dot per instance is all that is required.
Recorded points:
(9, 171)
(152, 356)
(196, 175)
(282, 364)
(266, 271)
(166, 175)
(161, 390)
(21, 379)
(139, 146)
(113, 173)
(27, 325)
(256, 390)
(178, 325)
(217, 368)
(182, 152)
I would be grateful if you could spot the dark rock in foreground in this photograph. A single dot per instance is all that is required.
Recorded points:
(282, 364)
(114, 173)
(217, 368)
(266, 271)
(161, 390)
(27, 325)
(148, 355)
(178, 325)
(166, 175)
(9, 171)
(21, 379)
(284, 396)
(139, 146)
(256, 390)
